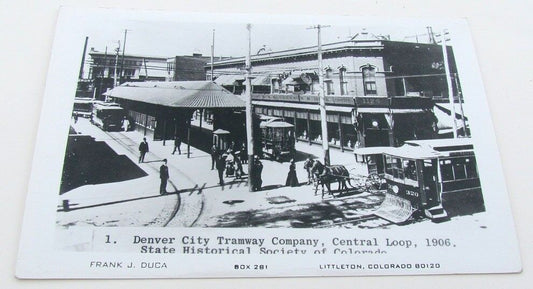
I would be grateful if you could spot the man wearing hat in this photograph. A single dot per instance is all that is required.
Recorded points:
(163, 175)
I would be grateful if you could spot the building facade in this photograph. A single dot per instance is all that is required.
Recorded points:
(378, 92)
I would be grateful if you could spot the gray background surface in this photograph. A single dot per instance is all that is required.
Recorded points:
(502, 36)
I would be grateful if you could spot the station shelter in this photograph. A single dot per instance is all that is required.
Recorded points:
(163, 110)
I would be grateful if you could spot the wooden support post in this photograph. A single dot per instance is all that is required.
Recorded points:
(164, 131)
(189, 138)
(341, 139)
(308, 128)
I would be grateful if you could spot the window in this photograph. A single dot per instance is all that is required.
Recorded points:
(446, 170)
(328, 81)
(397, 171)
(342, 81)
(470, 166)
(409, 168)
(388, 165)
(369, 80)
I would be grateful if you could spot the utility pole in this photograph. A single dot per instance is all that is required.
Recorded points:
(460, 98)
(122, 74)
(249, 127)
(117, 50)
(322, 103)
(212, 54)
(449, 81)
(80, 76)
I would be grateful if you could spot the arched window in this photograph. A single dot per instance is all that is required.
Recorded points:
(328, 81)
(369, 80)
(342, 81)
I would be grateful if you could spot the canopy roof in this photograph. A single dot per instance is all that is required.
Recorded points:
(178, 94)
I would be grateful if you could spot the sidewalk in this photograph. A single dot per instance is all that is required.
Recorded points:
(195, 198)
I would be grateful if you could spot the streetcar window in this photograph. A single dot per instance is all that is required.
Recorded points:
(459, 169)
(397, 170)
(470, 166)
(446, 170)
(388, 165)
(409, 169)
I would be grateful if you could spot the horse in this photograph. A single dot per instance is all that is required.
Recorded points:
(325, 175)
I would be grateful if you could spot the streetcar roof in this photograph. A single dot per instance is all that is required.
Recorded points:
(428, 149)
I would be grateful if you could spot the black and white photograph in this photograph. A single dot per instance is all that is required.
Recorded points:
(352, 147)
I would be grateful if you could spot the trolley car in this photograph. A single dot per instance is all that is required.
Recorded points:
(438, 178)
(277, 139)
(108, 116)
(83, 107)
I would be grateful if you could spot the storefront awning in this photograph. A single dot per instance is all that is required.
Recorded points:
(307, 106)
(445, 121)
(387, 110)
(229, 79)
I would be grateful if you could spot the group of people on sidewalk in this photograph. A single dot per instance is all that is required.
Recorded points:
(230, 163)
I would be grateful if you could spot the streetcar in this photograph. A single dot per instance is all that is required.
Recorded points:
(436, 178)
(108, 116)
(83, 107)
(277, 138)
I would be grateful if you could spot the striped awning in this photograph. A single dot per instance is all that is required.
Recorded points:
(179, 94)
(229, 79)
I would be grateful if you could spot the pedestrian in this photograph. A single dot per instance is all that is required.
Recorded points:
(177, 145)
(238, 171)
(125, 124)
(163, 175)
(308, 165)
(257, 167)
(76, 117)
(143, 149)
(243, 154)
(292, 179)
(214, 156)
(220, 165)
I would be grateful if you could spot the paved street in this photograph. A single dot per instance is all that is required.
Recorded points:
(195, 198)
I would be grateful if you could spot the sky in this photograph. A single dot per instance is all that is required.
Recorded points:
(170, 36)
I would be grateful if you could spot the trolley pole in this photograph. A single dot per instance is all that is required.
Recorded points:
(117, 50)
(122, 74)
(249, 127)
(449, 82)
(212, 54)
(322, 103)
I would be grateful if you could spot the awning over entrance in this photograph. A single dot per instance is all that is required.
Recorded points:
(178, 94)
(229, 79)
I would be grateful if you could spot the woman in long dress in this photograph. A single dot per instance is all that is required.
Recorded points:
(292, 179)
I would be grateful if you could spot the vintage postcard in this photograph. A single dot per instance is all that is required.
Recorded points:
(177, 145)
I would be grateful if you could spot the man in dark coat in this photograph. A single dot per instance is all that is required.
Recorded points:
(177, 145)
(257, 181)
(221, 165)
(163, 175)
(143, 149)
(214, 156)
